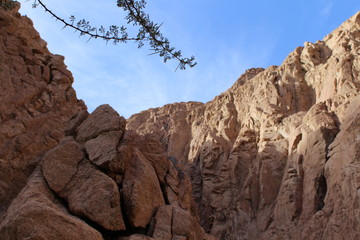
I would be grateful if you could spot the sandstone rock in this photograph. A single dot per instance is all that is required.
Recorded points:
(74, 192)
(35, 214)
(162, 223)
(182, 222)
(94, 195)
(177, 237)
(60, 164)
(141, 191)
(102, 120)
(259, 154)
(75, 122)
(102, 150)
(34, 108)
(274, 157)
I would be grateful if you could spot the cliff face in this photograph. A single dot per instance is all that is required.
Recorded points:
(276, 156)
(68, 174)
(36, 100)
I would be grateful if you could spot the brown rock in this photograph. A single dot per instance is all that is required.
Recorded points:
(38, 109)
(163, 221)
(75, 122)
(103, 119)
(274, 157)
(260, 155)
(60, 164)
(141, 191)
(35, 214)
(137, 237)
(102, 150)
(94, 195)
(34, 108)
(182, 222)
(123, 158)
(177, 237)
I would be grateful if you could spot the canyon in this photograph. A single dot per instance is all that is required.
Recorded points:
(276, 156)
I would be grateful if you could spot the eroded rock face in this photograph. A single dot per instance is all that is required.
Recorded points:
(37, 214)
(36, 101)
(90, 178)
(114, 183)
(267, 157)
(274, 157)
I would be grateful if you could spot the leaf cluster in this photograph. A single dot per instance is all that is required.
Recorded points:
(148, 31)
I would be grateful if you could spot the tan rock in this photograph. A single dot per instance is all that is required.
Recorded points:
(103, 119)
(260, 154)
(94, 195)
(102, 150)
(34, 107)
(141, 191)
(36, 214)
(60, 164)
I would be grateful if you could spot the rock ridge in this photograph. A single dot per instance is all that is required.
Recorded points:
(264, 156)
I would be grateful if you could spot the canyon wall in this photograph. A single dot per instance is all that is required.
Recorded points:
(274, 157)
(277, 155)
(36, 100)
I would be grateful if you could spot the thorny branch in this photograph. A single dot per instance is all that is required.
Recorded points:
(148, 31)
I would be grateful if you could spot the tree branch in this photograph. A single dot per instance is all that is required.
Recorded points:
(149, 31)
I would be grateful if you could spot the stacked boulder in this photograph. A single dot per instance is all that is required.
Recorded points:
(103, 182)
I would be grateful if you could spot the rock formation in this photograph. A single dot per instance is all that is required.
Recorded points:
(68, 174)
(36, 101)
(276, 155)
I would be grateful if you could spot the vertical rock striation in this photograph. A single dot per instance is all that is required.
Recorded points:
(275, 156)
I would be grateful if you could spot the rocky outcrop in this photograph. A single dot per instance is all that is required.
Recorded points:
(68, 174)
(135, 192)
(275, 156)
(36, 101)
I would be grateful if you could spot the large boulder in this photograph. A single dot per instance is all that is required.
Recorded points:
(36, 213)
(141, 191)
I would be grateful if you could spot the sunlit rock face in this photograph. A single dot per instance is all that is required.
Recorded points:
(277, 155)
(274, 157)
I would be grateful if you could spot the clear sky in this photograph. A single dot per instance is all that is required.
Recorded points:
(227, 37)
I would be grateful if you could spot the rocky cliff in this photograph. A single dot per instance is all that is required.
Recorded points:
(274, 157)
(277, 155)
(68, 174)
(36, 100)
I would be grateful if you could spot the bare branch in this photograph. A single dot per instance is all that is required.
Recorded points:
(148, 31)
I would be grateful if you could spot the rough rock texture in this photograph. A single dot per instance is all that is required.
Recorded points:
(124, 197)
(37, 214)
(275, 156)
(68, 174)
(36, 101)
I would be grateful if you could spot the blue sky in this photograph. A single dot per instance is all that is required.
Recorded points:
(227, 37)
